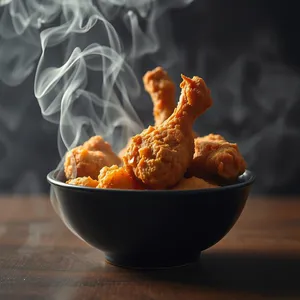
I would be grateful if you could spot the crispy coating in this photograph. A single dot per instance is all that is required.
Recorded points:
(162, 91)
(160, 155)
(89, 159)
(116, 177)
(84, 181)
(214, 157)
(193, 183)
(80, 162)
(212, 137)
(97, 143)
(161, 88)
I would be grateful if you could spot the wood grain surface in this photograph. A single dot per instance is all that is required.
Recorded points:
(41, 259)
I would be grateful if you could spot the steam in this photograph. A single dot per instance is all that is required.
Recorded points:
(83, 57)
(69, 43)
(85, 60)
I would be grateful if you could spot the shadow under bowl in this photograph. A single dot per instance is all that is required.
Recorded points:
(149, 229)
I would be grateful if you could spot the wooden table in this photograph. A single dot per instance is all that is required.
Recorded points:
(41, 259)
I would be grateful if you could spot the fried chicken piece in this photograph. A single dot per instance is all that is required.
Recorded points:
(80, 162)
(162, 91)
(193, 183)
(89, 159)
(115, 177)
(213, 137)
(160, 155)
(216, 158)
(97, 143)
(84, 181)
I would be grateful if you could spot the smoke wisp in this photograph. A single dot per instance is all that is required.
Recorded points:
(84, 71)
(84, 60)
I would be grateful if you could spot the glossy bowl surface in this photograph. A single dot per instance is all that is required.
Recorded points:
(149, 229)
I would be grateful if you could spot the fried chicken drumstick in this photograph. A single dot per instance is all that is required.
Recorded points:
(161, 88)
(160, 155)
(224, 161)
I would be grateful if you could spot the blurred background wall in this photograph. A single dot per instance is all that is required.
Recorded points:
(248, 53)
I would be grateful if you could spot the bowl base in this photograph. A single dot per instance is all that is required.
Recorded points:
(151, 262)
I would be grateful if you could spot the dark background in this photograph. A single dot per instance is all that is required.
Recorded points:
(248, 53)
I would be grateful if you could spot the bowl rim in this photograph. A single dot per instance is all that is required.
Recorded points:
(51, 178)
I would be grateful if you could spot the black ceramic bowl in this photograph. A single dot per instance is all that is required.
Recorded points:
(150, 229)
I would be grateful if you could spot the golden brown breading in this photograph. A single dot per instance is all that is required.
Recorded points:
(115, 177)
(89, 159)
(84, 181)
(162, 91)
(193, 183)
(215, 157)
(160, 155)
